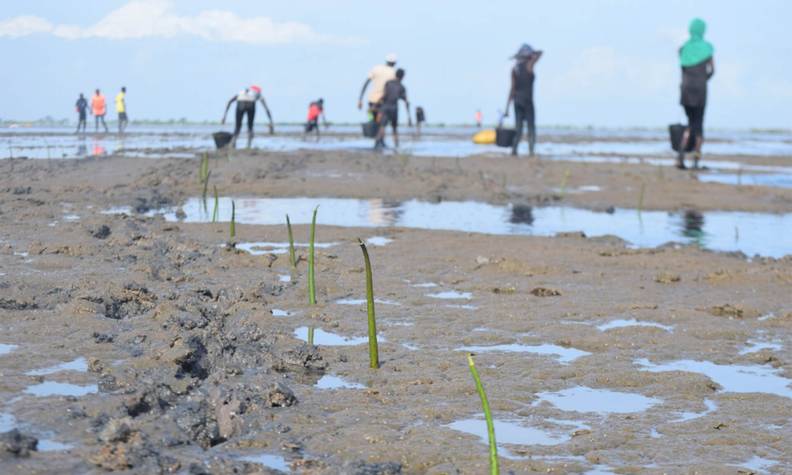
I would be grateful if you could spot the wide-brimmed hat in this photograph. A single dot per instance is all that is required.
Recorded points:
(524, 51)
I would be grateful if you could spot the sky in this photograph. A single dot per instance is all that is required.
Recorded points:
(609, 63)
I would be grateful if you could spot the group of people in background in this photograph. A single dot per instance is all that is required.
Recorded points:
(98, 108)
(385, 85)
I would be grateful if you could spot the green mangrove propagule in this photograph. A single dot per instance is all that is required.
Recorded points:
(292, 254)
(311, 267)
(493, 447)
(372, 321)
(310, 335)
(216, 209)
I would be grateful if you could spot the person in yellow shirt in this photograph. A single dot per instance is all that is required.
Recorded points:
(120, 103)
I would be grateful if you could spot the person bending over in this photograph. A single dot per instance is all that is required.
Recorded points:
(246, 106)
(315, 111)
(377, 77)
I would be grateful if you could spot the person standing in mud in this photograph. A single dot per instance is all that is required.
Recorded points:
(99, 109)
(698, 66)
(315, 111)
(377, 77)
(81, 106)
(420, 118)
(246, 106)
(479, 118)
(389, 110)
(521, 92)
(120, 104)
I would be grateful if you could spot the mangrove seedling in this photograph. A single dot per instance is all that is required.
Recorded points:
(216, 209)
(311, 335)
(564, 181)
(203, 168)
(232, 226)
(372, 321)
(206, 184)
(641, 197)
(311, 266)
(292, 254)
(493, 447)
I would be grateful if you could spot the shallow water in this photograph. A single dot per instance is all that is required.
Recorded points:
(329, 381)
(763, 234)
(51, 388)
(378, 241)
(632, 323)
(731, 378)
(276, 312)
(49, 445)
(778, 180)
(759, 464)
(451, 295)
(711, 407)
(79, 365)
(275, 462)
(509, 432)
(324, 338)
(6, 348)
(754, 346)
(351, 301)
(258, 248)
(562, 354)
(603, 401)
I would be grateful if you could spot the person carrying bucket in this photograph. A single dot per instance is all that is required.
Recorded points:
(389, 110)
(246, 106)
(377, 77)
(696, 60)
(315, 111)
(99, 109)
(521, 92)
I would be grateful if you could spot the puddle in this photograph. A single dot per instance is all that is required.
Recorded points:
(654, 434)
(584, 399)
(262, 247)
(563, 355)
(424, 285)
(378, 241)
(276, 312)
(778, 180)
(71, 217)
(49, 445)
(348, 301)
(6, 348)
(79, 364)
(689, 416)
(508, 432)
(759, 233)
(284, 278)
(324, 338)
(410, 346)
(451, 295)
(463, 306)
(731, 378)
(275, 462)
(632, 323)
(51, 388)
(754, 346)
(759, 464)
(329, 381)
(7, 422)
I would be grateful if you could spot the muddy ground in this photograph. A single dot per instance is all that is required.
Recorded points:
(193, 371)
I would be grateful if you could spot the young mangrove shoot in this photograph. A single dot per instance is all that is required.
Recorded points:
(311, 266)
(216, 209)
(232, 226)
(311, 336)
(372, 321)
(206, 184)
(641, 197)
(564, 181)
(292, 254)
(493, 447)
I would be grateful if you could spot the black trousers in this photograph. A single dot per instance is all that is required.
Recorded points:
(524, 113)
(245, 108)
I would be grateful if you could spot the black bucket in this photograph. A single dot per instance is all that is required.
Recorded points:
(505, 137)
(370, 129)
(221, 139)
(675, 132)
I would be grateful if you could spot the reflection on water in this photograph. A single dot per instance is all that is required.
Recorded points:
(521, 214)
(763, 234)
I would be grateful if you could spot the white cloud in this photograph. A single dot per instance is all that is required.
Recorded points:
(156, 19)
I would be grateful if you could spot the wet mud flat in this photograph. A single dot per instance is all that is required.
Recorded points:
(130, 342)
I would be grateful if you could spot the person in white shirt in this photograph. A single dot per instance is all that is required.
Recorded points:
(246, 106)
(378, 77)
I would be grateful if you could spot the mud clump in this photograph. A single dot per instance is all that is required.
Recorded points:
(545, 292)
(667, 278)
(101, 232)
(281, 396)
(13, 304)
(732, 311)
(17, 444)
(363, 468)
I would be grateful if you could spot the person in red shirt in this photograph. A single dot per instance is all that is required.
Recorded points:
(99, 109)
(315, 111)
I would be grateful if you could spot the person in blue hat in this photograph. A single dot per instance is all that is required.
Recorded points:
(521, 92)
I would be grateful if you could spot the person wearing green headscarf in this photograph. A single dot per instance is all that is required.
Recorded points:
(695, 58)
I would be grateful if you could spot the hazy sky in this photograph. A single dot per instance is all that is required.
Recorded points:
(607, 62)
